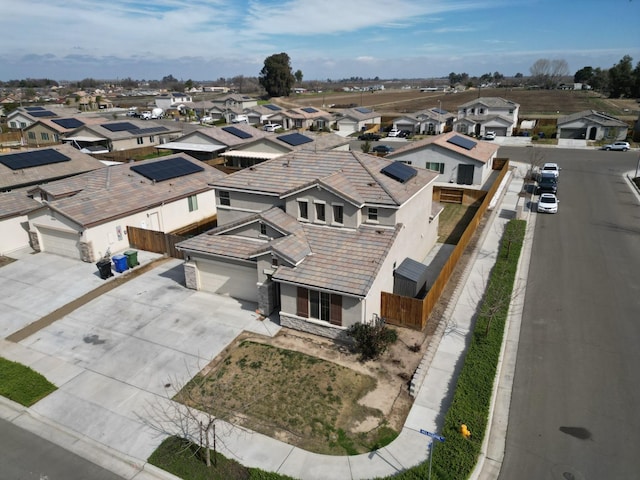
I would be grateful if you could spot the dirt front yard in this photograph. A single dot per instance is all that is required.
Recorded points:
(312, 392)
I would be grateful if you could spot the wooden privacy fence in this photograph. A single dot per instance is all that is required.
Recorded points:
(154, 241)
(413, 312)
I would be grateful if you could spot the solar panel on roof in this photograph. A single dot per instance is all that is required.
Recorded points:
(463, 142)
(439, 111)
(309, 110)
(42, 113)
(363, 110)
(237, 132)
(273, 107)
(146, 131)
(68, 122)
(33, 158)
(401, 172)
(295, 139)
(31, 109)
(167, 169)
(119, 127)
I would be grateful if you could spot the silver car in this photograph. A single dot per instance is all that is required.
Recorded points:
(622, 146)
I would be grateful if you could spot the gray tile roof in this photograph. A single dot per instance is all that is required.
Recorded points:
(482, 151)
(141, 125)
(498, 102)
(342, 260)
(79, 162)
(117, 191)
(16, 203)
(362, 180)
(600, 118)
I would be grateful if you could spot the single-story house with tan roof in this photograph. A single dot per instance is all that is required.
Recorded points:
(303, 118)
(122, 135)
(26, 168)
(592, 125)
(49, 131)
(457, 158)
(314, 236)
(432, 121)
(85, 216)
(358, 119)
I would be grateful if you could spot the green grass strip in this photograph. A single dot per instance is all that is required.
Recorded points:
(22, 384)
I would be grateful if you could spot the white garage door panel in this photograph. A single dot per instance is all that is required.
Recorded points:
(61, 243)
(225, 279)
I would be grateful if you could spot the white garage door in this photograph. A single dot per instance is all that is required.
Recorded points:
(61, 243)
(237, 281)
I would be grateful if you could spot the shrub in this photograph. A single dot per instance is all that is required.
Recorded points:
(371, 339)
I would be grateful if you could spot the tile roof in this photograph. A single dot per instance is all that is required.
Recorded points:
(594, 116)
(342, 260)
(362, 182)
(496, 102)
(220, 135)
(117, 191)
(482, 152)
(15, 203)
(79, 162)
(141, 125)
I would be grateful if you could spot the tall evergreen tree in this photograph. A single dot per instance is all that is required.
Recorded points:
(276, 76)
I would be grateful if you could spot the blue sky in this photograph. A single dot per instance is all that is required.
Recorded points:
(208, 39)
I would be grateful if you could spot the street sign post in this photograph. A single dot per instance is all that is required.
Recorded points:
(433, 436)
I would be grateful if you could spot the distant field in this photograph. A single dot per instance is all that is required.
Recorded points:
(533, 103)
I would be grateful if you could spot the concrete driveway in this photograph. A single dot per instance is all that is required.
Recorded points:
(113, 358)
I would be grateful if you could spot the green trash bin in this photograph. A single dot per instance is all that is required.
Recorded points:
(132, 258)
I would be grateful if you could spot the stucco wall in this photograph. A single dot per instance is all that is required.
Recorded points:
(15, 234)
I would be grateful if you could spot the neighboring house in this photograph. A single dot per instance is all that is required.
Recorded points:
(84, 216)
(14, 223)
(49, 131)
(275, 145)
(121, 135)
(262, 114)
(22, 117)
(487, 114)
(433, 121)
(234, 101)
(458, 159)
(303, 118)
(243, 145)
(207, 143)
(592, 125)
(357, 119)
(315, 236)
(172, 101)
(35, 166)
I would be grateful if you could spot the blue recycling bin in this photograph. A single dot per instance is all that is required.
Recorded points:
(120, 263)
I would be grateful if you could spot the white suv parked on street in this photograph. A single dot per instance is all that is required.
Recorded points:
(622, 146)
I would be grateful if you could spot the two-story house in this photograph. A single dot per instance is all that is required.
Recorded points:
(432, 121)
(50, 131)
(314, 236)
(22, 117)
(487, 114)
(173, 101)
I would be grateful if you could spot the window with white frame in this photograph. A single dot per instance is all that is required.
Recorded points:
(317, 305)
(224, 198)
(31, 135)
(193, 203)
(44, 136)
(303, 209)
(338, 214)
(437, 166)
(263, 229)
(320, 212)
(140, 141)
(372, 214)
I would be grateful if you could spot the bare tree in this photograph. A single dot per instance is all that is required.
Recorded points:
(548, 73)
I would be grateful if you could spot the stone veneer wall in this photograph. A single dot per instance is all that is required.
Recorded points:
(328, 331)
(35, 243)
(267, 298)
(86, 252)
(190, 276)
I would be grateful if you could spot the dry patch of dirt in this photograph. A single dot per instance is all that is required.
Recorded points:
(325, 401)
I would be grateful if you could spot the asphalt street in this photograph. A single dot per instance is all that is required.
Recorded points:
(576, 389)
(26, 456)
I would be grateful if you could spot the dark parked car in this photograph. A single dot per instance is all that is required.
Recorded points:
(547, 182)
(404, 133)
(382, 149)
(371, 137)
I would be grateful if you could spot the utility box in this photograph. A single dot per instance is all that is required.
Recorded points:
(132, 258)
(120, 263)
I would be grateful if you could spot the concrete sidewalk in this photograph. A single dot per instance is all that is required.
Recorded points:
(127, 457)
